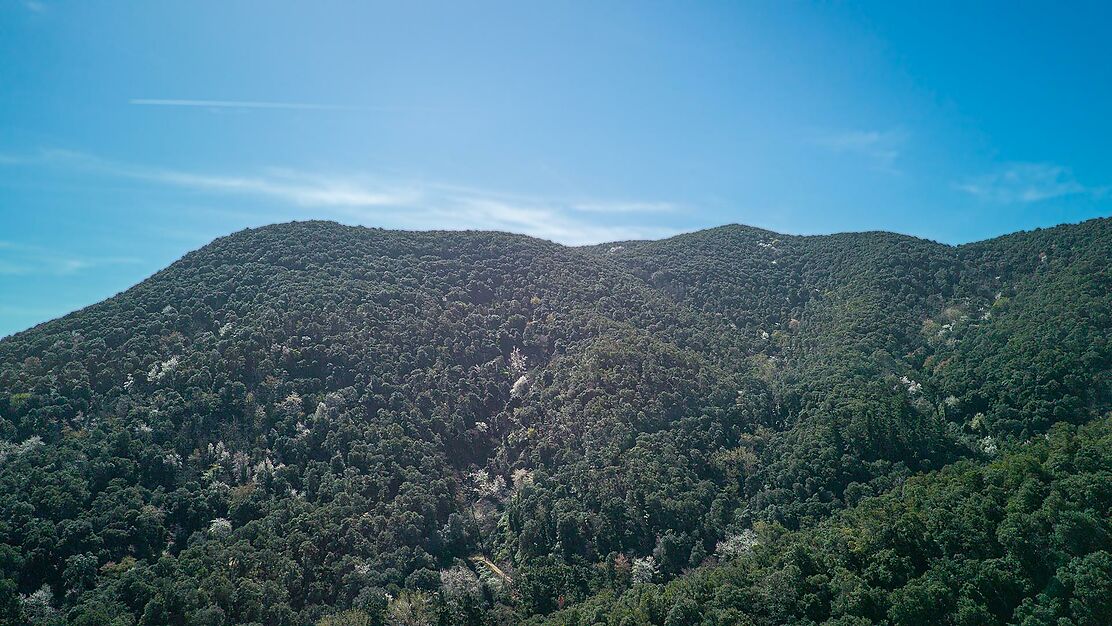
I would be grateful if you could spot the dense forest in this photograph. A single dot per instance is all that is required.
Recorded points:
(315, 424)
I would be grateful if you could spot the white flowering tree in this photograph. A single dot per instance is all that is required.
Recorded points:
(517, 361)
(644, 570)
(521, 385)
(989, 446)
(38, 606)
(411, 608)
(738, 544)
(459, 584)
(220, 526)
(486, 486)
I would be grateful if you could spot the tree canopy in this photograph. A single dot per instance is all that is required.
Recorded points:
(310, 423)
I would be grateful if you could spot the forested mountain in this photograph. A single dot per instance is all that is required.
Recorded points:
(310, 423)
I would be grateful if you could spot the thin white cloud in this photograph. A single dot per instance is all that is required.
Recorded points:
(41, 312)
(300, 190)
(625, 207)
(1022, 183)
(238, 104)
(881, 148)
(397, 203)
(546, 221)
(218, 105)
(18, 259)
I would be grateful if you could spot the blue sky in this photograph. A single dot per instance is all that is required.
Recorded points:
(133, 132)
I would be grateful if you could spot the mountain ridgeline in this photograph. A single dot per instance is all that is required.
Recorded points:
(310, 423)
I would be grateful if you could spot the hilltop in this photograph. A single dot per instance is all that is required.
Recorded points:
(314, 423)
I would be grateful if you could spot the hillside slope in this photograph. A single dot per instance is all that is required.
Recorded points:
(310, 420)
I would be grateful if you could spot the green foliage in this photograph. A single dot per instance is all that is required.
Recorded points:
(353, 617)
(972, 544)
(314, 424)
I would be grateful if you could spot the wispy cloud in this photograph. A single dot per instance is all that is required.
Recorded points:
(239, 104)
(398, 203)
(546, 220)
(881, 148)
(1016, 183)
(426, 205)
(17, 259)
(617, 206)
(247, 105)
(39, 312)
(303, 190)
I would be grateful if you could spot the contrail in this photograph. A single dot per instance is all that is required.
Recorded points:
(240, 104)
